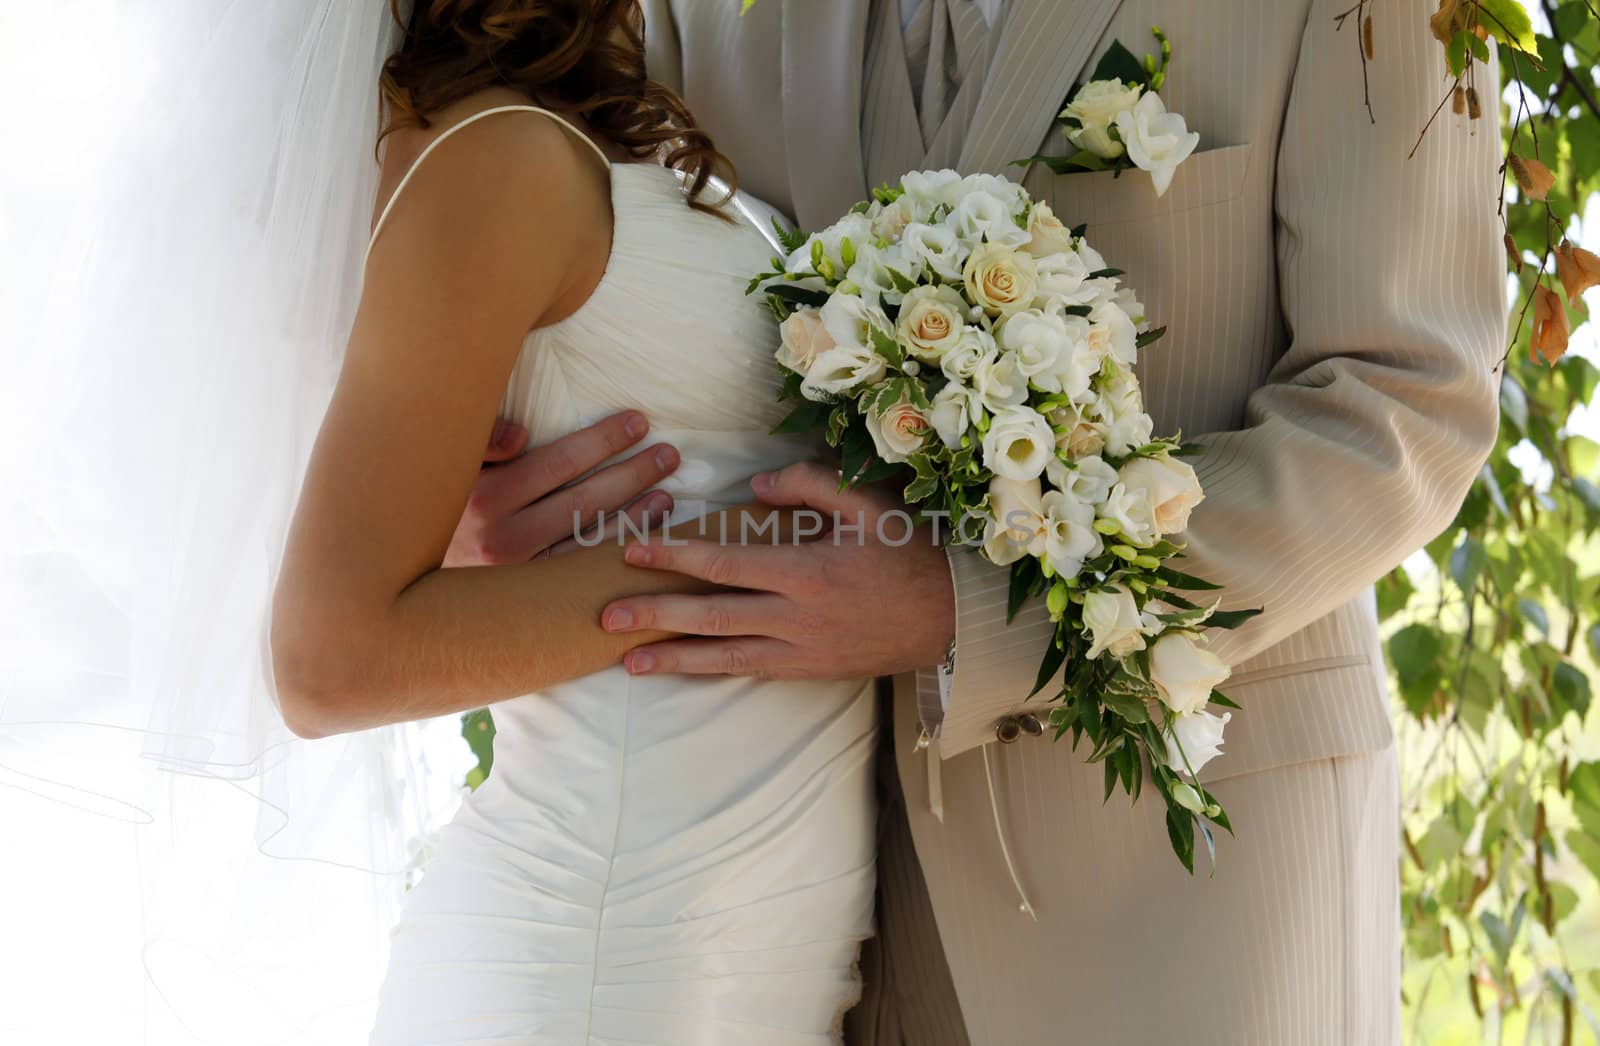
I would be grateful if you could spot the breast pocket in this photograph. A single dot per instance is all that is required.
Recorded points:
(1101, 198)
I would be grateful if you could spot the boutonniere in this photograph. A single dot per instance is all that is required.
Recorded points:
(1117, 119)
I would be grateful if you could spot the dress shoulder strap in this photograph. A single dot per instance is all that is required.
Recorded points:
(474, 118)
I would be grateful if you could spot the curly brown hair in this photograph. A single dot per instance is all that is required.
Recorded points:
(583, 55)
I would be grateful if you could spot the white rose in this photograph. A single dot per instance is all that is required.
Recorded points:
(1183, 673)
(900, 431)
(955, 410)
(1064, 280)
(1069, 534)
(839, 370)
(1046, 234)
(1003, 189)
(980, 217)
(889, 222)
(1199, 734)
(1111, 333)
(1130, 509)
(936, 247)
(930, 189)
(999, 279)
(999, 382)
(973, 347)
(1096, 107)
(1112, 616)
(1016, 528)
(930, 322)
(804, 338)
(851, 321)
(1018, 444)
(1078, 363)
(1171, 487)
(1157, 140)
(1037, 340)
(1088, 479)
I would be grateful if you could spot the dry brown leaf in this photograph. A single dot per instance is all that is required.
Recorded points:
(1578, 270)
(1513, 256)
(1550, 329)
(1366, 38)
(1533, 178)
(1448, 20)
(1458, 100)
(1474, 110)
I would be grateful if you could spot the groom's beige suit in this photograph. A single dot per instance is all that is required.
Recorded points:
(1335, 313)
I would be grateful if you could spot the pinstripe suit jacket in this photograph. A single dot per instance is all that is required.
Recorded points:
(1335, 312)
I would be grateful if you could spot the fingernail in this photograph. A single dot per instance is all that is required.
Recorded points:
(502, 434)
(761, 482)
(638, 555)
(618, 619)
(636, 426)
(661, 502)
(666, 457)
(639, 661)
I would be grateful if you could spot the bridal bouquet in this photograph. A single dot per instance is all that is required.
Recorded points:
(953, 336)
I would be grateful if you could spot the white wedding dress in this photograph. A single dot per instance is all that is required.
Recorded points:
(684, 860)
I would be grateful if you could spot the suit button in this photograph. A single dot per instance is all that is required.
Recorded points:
(1007, 730)
(1031, 724)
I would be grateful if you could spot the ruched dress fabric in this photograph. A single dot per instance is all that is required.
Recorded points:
(660, 859)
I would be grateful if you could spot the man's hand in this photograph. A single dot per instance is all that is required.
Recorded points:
(522, 505)
(849, 605)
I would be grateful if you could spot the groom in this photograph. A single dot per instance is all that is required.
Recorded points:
(1335, 316)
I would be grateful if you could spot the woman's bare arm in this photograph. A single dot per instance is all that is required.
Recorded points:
(506, 226)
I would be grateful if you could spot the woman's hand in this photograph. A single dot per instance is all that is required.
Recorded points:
(530, 502)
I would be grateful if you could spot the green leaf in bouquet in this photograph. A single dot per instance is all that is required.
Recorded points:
(1178, 579)
(1131, 707)
(838, 422)
(1219, 698)
(1119, 63)
(901, 281)
(920, 489)
(1054, 655)
(779, 307)
(1082, 160)
(1231, 618)
(1025, 577)
(1110, 779)
(1104, 273)
(1076, 310)
(854, 451)
(1150, 336)
(887, 194)
(884, 345)
(808, 417)
(878, 470)
(793, 295)
(790, 240)
(1180, 830)
(1077, 231)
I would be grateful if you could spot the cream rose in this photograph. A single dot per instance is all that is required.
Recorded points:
(1046, 234)
(930, 323)
(1096, 107)
(999, 279)
(900, 431)
(1183, 673)
(1112, 617)
(974, 347)
(1018, 444)
(804, 338)
(1200, 736)
(1016, 528)
(1171, 487)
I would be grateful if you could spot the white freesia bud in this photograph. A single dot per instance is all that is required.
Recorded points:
(804, 338)
(1016, 528)
(1046, 234)
(1096, 107)
(955, 410)
(1185, 796)
(1200, 736)
(1018, 444)
(930, 323)
(999, 381)
(1130, 509)
(1184, 674)
(1170, 486)
(1112, 618)
(899, 431)
(1157, 140)
(1000, 279)
(1069, 534)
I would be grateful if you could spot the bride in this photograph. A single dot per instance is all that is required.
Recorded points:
(653, 859)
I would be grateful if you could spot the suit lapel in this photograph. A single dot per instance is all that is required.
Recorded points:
(1046, 44)
(823, 54)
